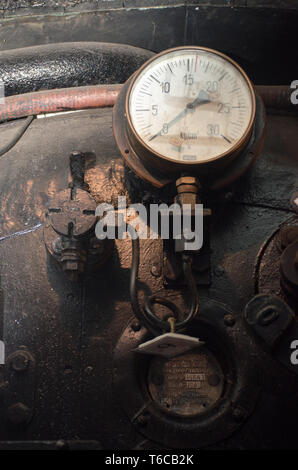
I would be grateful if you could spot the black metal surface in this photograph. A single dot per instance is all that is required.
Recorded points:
(260, 36)
(30, 6)
(68, 65)
(58, 389)
(71, 329)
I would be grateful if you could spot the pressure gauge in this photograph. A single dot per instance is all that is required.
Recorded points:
(187, 109)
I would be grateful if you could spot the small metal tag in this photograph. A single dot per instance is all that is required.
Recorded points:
(169, 345)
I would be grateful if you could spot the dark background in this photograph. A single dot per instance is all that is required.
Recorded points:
(260, 35)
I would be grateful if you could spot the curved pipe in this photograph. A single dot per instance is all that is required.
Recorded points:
(67, 65)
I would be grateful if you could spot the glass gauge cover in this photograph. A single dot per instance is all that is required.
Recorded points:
(191, 105)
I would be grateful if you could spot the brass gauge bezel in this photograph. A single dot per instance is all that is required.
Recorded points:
(158, 170)
(164, 163)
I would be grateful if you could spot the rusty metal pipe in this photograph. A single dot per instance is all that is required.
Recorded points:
(51, 101)
(276, 97)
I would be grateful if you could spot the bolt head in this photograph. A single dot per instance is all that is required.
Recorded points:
(155, 270)
(136, 326)
(268, 315)
(61, 445)
(20, 361)
(18, 414)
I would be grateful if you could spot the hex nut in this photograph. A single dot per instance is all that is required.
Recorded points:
(20, 361)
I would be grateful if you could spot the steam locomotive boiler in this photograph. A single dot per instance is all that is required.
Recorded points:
(148, 229)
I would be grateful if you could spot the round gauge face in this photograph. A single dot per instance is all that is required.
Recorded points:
(191, 105)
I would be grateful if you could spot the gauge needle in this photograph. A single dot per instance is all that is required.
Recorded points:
(202, 98)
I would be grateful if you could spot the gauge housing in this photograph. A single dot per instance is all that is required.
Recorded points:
(159, 169)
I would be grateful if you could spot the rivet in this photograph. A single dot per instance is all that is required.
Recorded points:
(20, 361)
(136, 326)
(61, 445)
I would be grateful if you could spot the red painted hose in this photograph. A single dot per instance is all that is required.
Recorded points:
(66, 99)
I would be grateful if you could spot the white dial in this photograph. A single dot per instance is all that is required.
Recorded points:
(191, 105)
